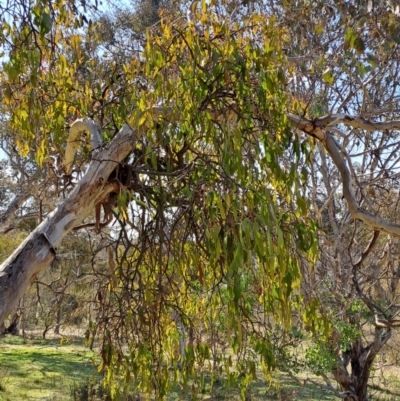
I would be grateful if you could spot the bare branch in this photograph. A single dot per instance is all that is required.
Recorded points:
(316, 129)
(6, 216)
(356, 122)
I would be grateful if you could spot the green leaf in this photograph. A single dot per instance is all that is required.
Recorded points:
(350, 36)
(328, 77)
(45, 25)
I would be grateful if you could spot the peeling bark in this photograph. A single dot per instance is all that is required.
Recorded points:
(39, 248)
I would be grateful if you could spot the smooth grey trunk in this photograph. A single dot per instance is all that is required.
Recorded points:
(40, 247)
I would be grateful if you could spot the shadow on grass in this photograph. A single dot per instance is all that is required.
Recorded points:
(41, 369)
(47, 370)
(22, 363)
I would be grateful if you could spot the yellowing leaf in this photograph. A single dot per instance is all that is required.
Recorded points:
(63, 64)
(319, 29)
(328, 77)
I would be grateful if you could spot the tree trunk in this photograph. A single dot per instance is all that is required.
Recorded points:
(39, 248)
(58, 321)
(13, 328)
(46, 329)
(354, 384)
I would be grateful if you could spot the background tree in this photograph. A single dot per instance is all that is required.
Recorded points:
(339, 65)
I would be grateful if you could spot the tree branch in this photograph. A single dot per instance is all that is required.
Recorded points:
(356, 122)
(316, 129)
(77, 128)
(39, 248)
(7, 215)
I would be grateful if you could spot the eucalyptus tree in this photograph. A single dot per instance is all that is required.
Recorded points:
(203, 144)
(201, 128)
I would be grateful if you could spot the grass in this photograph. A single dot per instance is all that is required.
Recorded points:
(48, 370)
(42, 369)
(283, 390)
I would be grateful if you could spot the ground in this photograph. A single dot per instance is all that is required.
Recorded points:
(53, 369)
(42, 369)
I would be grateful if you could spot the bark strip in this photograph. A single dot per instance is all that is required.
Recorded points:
(40, 247)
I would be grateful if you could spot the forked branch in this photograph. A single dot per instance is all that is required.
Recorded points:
(318, 129)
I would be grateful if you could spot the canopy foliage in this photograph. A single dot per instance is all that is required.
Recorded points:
(234, 107)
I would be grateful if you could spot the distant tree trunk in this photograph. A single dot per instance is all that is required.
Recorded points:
(8, 214)
(354, 384)
(91, 344)
(58, 321)
(46, 329)
(3, 329)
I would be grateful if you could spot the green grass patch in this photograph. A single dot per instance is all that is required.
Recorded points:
(42, 369)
